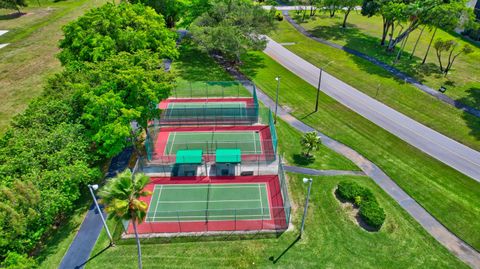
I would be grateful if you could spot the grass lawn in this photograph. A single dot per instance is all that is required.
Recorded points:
(30, 58)
(367, 78)
(325, 158)
(363, 34)
(331, 239)
(453, 198)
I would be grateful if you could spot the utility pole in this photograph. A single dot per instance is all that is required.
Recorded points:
(320, 84)
(92, 188)
(306, 180)
(276, 99)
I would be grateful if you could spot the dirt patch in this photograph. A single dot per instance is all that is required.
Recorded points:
(353, 212)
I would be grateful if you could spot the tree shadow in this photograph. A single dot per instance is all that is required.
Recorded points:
(11, 16)
(300, 159)
(251, 63)
(93, 257)
(194, 64)
(275, 260)
(472, 121)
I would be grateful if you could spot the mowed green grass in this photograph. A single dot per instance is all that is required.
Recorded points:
(451, 197)
(381, 85)
(30, 58)
(363, 34)
(331, 240)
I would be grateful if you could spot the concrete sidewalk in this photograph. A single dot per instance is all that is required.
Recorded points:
(79, 251)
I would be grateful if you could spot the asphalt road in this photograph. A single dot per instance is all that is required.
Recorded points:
(441, 147)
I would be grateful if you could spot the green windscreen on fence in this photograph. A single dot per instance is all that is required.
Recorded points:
(228, 155)
(189, 156)
(273, 132)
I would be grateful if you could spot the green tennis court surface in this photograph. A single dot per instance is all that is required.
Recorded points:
(198, 202)
(224, 109)
(248, 141)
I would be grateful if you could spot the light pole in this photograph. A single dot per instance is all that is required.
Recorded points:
(320, 83)
(94, 188)
(306, 180)
(276, 100)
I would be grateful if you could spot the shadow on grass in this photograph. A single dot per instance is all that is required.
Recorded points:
(473, 122)
(193, 63)
(251, 63)
(275, 260)
(93, 257)
(11, 16)
(300, 159)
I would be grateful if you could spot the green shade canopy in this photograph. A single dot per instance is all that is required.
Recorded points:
(228, 156)
(189, 156)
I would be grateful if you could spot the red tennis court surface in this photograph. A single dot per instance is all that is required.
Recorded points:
(277, 221)
(255, 142)
(249, 102)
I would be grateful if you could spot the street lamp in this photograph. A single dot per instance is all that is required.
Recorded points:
(306, 180)
(320, 83)
(94, 188)
(276, 100)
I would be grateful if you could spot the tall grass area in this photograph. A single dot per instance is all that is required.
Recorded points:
(363, 34)
(381, 85)
(30, 58)
(451, 197)
(331, 240)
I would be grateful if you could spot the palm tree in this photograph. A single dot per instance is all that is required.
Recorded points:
(310, 142)
(121, 199)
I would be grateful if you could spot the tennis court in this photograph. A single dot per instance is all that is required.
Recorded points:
(248, 142)
(210, 202)
(205, 109)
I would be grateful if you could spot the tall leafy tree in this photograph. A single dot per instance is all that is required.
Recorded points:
(449, 47)
(110, 29)
(349, 5)
(231, 28)
(172, 10)
(113, 93)
(121, 196)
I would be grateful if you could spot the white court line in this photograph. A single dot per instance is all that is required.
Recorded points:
(158, 201)
(216, 187)
(261, 202)
(210, 201)
(203, 217)
(173, 142)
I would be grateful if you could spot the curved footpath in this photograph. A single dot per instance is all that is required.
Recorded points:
(439, 146)
(440, 96)
(454, 244)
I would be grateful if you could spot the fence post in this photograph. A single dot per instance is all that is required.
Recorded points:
(178, 221)
(235, 219)
(190, 89)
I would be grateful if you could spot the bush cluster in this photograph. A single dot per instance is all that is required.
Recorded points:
(370, 210)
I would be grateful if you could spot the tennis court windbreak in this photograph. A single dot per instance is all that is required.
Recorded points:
(189, 156)
(228, 156)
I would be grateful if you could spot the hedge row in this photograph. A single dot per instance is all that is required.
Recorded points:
(370, 210)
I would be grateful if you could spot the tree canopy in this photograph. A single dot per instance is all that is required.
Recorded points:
(111, 29)
(13, 4)
(231, 28)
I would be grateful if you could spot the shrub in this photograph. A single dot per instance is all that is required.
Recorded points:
(372, 214)
(18, 261)
(370, 211)
(279, 16)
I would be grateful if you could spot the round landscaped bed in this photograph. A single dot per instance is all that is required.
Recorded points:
(361, 205)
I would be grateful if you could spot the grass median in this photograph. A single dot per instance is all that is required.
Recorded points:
(451, 197)
(363, 34)
(380, 84)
